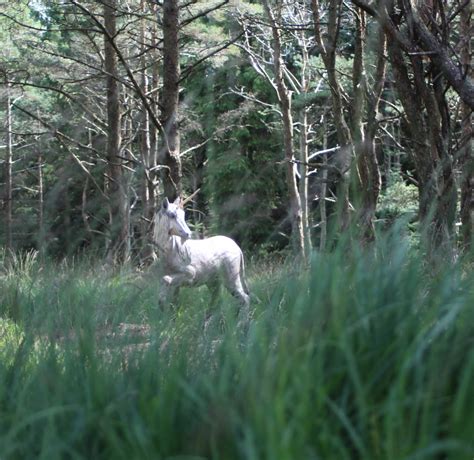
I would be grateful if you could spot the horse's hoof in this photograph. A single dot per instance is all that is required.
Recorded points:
(167, 280)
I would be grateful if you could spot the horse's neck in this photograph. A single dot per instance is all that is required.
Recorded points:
(171, 247)
(176, 255)
(161, 237)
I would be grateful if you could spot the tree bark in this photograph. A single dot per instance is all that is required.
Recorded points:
(119, 248)
(170, 151)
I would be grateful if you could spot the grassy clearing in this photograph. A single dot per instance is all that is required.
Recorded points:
(361, 356)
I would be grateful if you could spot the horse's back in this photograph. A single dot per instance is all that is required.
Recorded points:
(215, 245)
(215, 253)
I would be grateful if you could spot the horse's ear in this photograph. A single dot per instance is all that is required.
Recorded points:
(178, 202)
(165, 204)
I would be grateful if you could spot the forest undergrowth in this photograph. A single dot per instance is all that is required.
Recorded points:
(368, 354)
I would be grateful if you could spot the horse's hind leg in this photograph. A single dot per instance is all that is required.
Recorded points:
(243, 298)
(214, 288)
(239, 293)
(244, 313)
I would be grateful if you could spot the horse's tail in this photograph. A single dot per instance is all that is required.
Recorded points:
(242, 274)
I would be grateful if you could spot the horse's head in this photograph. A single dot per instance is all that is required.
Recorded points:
(172, 220)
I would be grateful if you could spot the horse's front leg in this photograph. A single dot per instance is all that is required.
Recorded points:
(171, 283)
(167, 293)
(186, 276)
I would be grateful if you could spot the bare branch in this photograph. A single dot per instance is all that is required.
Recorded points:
(203, 13)
(188, 70)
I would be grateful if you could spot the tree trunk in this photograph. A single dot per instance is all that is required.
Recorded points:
(324, 186)
(432, 162)
(328, 53)
(118, 212)
(41, 229)
(8, 173)
(153, 130)
(170, 150)
(466, 163)
(303, 185)
(295, 211)
(436, 50)
(431, 88)
(367, 164)
(146, 193)
(462, 84)
(363, 204)
(304, 149)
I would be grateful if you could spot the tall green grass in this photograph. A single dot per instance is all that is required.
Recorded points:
(366, 355)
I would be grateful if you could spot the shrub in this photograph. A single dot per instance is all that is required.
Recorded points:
(398, 200)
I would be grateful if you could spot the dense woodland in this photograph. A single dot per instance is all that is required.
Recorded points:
(331, 139)
(296, 121)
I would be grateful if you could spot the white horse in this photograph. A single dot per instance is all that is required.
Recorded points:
(187, 262)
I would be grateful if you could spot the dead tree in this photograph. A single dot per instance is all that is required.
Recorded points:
(284, 99)
(8, 195)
